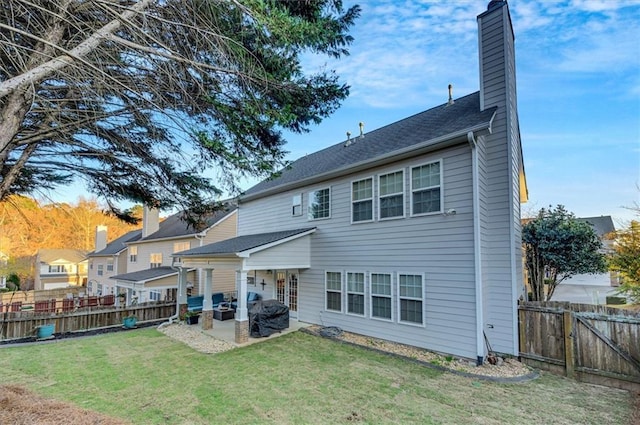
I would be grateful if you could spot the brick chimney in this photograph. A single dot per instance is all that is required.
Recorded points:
(150, 221)
(101, 238)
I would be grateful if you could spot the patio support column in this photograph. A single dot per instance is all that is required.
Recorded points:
(242, 319)
(207, 303)
(182, 291)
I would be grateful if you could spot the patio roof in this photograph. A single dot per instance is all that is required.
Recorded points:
(262, 251)
(146, 275)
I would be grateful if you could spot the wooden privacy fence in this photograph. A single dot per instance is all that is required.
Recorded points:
(591, 343)
(22, 324)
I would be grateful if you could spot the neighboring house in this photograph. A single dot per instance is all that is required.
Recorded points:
(147, 272)
(604, 228)
(60, 268)
(108, 259)
(409, 233)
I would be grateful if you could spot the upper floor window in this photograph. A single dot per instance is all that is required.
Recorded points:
(155, 260)
(362, 200)
(320, 204)
(90, 265)
(391, 197)
(355, 293)
(296, 205)
(426, 185)
(410, 294)
(60, 268)
(100, 269)
(181, 246)
(133, 254)
(109, 265)
(333, 288)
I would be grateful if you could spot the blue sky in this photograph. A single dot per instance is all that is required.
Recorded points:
(578, 75)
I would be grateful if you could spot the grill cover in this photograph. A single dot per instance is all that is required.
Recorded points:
(267, 317)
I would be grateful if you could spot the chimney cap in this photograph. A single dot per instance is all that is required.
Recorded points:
(493, 4)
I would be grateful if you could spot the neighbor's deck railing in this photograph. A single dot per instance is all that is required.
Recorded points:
(20, 320)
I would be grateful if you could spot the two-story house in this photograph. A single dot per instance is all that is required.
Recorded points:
(409, 233)
(60, 268)
(148, 273)
(108, 260)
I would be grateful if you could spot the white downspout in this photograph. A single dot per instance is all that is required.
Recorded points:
(480, 350)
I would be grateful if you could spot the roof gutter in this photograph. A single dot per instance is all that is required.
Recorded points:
(441, 142)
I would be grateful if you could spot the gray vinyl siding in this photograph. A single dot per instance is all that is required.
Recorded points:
(439, 247)
(500, 188)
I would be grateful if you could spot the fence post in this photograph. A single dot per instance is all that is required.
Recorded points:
(568, 342)
(521, 328)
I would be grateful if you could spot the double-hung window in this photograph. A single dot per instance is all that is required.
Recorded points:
(333, 288)
(426, 188)
(362, 200)
(133, 254)
(355, 293)
(391, 194)
(100, 269)
(381, 296)
(155, 260)
(181, 246)
(296, 205)
(57, 269)
(320, 204)
(109, 265)
(410, 295)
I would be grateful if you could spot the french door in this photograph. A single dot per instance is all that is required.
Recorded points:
(287, 290)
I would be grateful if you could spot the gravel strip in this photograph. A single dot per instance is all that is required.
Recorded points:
(506, 369)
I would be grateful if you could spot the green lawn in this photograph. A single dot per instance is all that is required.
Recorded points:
(147, 378)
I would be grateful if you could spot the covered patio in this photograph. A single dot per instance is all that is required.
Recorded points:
(289, 249)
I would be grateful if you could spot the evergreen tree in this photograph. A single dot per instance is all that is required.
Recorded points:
(557, 246)
(139, 98)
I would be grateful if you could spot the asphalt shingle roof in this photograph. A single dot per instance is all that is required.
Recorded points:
(418, 129)
(602, 225)
(145, 275)
(175, 226)
(71, 255)
(118, 244)
(241, 243)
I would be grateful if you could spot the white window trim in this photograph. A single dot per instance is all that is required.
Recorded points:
(151, 262)
(342, 300)
(404, 200)
(100, 269)
(371, 295)
(425, 188)
(423, 299)
(110, 269)
(309, 203)
(347, 292)
(372, 199)
(186, 244)
(152, 293)
(133, 254)
(293, 205)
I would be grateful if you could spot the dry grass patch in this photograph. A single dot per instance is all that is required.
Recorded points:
(19, 406)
